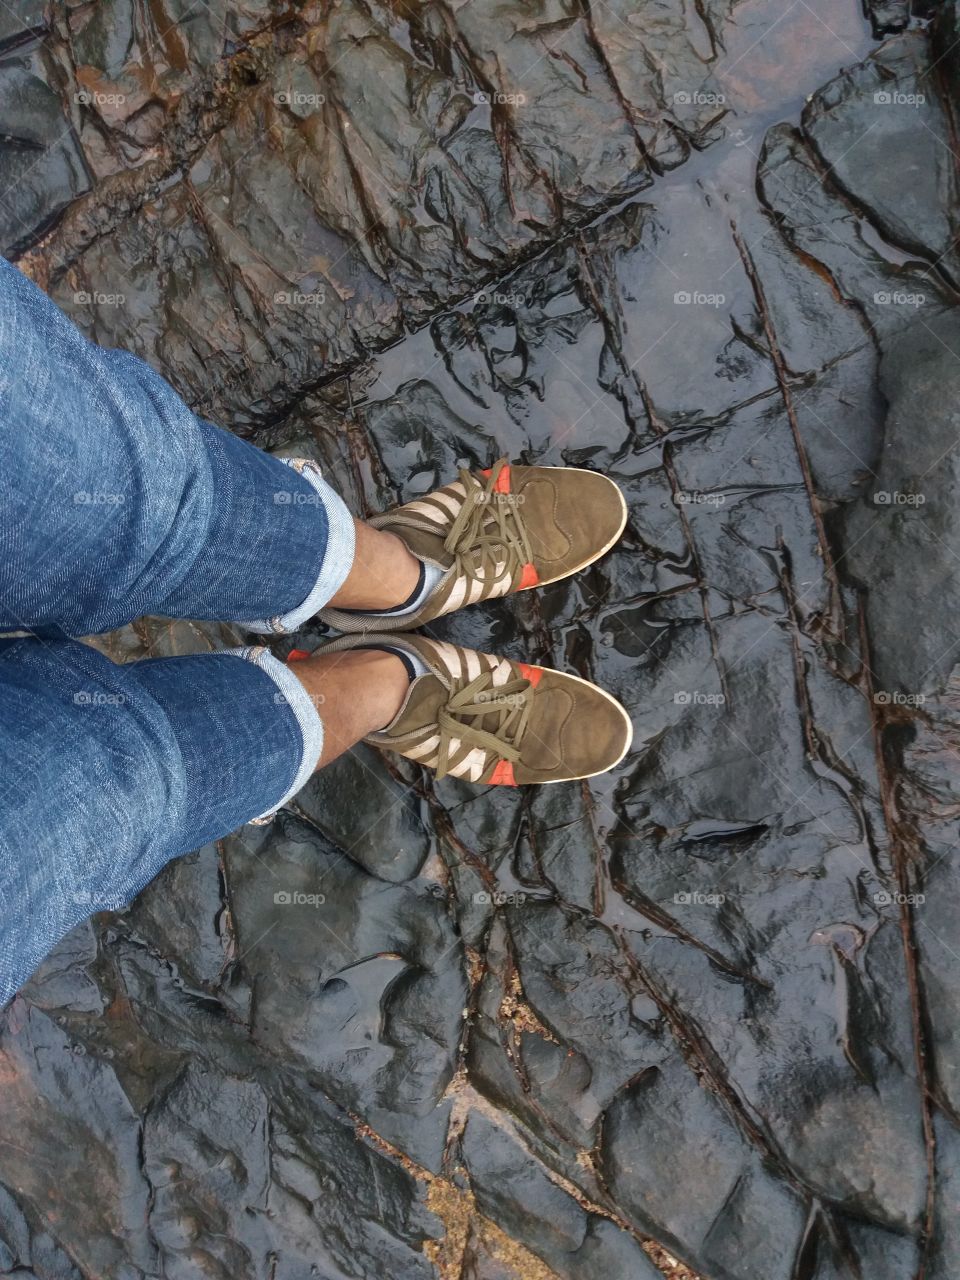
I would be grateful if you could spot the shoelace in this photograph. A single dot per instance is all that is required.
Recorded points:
(487, 523)
(459, 719)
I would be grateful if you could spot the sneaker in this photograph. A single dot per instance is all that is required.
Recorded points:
(494, 532)
(493, 721)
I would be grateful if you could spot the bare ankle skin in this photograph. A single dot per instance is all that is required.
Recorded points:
(356, 693)
(384, 572)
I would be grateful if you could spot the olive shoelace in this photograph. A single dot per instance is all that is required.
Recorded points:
(487, 527)
(461, 718)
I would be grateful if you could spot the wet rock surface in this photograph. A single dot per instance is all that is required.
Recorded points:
(704, 1008)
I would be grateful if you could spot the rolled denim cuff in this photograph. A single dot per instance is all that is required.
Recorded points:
(337, 560)
(290, 693)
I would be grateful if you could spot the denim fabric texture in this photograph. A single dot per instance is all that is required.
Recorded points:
(116, 501)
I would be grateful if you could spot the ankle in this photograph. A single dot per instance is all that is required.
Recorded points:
(384, 572)
(356, 693)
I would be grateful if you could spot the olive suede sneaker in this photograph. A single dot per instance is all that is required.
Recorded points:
(493, 721)
(495, 532)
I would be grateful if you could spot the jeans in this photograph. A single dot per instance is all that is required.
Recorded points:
(115, 502)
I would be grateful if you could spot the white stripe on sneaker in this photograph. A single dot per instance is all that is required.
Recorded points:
(473, 664)
(472, 765)
(439, 506)
(451, 497)
(424, 748)
(501, 672)
(446, 656)
(457, 596)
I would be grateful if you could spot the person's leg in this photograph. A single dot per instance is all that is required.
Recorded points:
(117, 501)
(108, 772)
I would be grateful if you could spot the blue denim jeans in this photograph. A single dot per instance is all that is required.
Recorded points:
(115, 502)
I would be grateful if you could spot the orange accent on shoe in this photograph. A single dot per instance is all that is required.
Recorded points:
(298, 655)
(528, 578)
(502, 775)
(503, 479)
(533, 674)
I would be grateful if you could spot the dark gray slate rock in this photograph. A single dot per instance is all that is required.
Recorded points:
(374, 817)
(41, 167)
(891, 101)
(682, 992)
(512, 1189)
(904, 537)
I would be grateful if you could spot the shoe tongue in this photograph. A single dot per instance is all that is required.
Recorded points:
(420, 710)
(424, 545)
